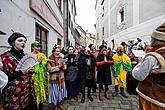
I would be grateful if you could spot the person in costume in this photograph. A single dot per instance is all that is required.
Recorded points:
(19, 93)
(122, 66)
(93, 65)
(71, 74)
(56, 67)
(40, 75)
(85, 75)
(151, 73)
(132, 83)
(3, 82)
(103, 62)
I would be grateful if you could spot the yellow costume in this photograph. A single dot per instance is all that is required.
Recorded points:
(40, 78)
(122, 66)
(120, 77)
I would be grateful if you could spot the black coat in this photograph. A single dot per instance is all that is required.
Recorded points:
(103, 71)
(84, 70)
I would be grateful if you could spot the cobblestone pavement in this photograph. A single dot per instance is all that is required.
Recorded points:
(115, 103)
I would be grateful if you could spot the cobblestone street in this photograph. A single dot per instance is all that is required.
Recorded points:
(115, 103)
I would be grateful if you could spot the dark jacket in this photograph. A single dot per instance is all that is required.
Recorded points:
(103, 71)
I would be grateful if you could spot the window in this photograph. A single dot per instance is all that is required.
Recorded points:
(97, 36)
(121, 16)
(69, 18)
(103, 31)
(72, 9)
(102, 2)
(71, 27)
(103, 11)
(59, 41)
(41, 36)
(59, 4)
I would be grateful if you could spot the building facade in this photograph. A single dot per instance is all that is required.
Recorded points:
(90, 39)
(82, 34)
(69, 22)
(124, 20)
(39, 20)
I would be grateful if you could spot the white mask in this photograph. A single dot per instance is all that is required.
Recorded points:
(19, 43)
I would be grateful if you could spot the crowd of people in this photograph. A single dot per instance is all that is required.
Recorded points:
(67, 72)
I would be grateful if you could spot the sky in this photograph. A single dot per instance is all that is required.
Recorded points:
(86, 14)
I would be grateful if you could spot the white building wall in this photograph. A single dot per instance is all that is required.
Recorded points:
(141, 18)
(140, 22)
(99, 23)
(72, 18)
(17, 16)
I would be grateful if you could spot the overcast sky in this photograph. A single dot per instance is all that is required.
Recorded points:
(86, 14)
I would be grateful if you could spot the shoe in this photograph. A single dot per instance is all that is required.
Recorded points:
(69, 98)
(94, 90)
(61, 107)
(55, 108)
(105, 95)
(115, 94)
(124, 95)
(90, 98)
(100, 98)
(76, 98)
(82, 99)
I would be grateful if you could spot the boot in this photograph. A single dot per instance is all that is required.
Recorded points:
(60, 106)
(122, 92)
(105, 95)
(100, 98)
(89, 94)
(83, 99)
(116, 91)
(55, 107)
(90, 98)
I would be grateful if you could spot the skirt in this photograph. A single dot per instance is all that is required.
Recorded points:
(56, 94)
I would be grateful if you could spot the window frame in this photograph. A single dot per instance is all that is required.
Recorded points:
(121, 18)
(40, 37)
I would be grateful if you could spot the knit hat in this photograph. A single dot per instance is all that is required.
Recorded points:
(14, 36)
(35, 44)
(159, 33)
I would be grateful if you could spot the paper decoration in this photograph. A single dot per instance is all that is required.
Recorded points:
(27, 61)
(3, 80)
(138, 53)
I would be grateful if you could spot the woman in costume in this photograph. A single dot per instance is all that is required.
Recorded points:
(85, 74)
(71, 74)
(103, 70)
(57, 90)
(122, 66)
(19, 92)
(40, 75)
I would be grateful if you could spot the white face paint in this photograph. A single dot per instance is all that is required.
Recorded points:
(19, 43)
(71, 50)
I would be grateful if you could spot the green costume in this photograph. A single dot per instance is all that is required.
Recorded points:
(40, 79)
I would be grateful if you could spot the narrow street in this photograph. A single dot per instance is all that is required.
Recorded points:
(55, 50)
(115, 103)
